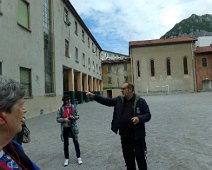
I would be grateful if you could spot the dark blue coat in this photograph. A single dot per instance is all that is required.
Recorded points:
(15, 151)
(141, 109)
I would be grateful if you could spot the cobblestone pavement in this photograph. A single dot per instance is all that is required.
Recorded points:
(179, 136)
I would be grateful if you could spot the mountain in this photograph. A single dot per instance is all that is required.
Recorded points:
(194, 26)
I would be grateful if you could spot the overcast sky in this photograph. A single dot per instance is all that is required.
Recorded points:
(114, 23)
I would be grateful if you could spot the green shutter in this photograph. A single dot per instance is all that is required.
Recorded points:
(23, 15)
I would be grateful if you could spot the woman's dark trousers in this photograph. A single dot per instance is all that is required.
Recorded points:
(66, 134)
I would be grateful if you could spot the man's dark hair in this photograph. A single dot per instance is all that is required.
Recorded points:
(130, 86)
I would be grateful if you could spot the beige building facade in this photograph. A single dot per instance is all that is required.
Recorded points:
(46, 46)
(115, 73)
(163, 65)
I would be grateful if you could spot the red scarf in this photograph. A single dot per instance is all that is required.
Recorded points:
(68, 110)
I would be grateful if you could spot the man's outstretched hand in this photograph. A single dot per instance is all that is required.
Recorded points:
(89, 94)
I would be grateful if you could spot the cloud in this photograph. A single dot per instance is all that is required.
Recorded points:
(120, 21)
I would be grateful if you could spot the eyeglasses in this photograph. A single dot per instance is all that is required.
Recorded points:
(123, 88)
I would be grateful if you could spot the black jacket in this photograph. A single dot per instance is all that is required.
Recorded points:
(141, 110)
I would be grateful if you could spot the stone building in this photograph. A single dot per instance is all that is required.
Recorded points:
(46, 46)
(116, 69)
(163, 65)
(203, 67)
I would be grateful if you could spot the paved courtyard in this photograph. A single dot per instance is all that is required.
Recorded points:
(179, 136)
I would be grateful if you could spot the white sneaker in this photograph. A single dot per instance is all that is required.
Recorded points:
(79, 160)
(66, 162)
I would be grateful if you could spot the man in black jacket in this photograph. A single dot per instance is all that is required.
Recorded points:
(130, 113)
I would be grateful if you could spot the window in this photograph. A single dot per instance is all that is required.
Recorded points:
(46, 14)
(76, 28)
(125, 66)
(204, 62)
(0, 8)
(66, 48)
(109, 80)
(93, 48)
(48, 65)
(83, 59)
(168, 67)
(93, 66)
(152, 67)
(88, 42)
(76, 55)
(0, 68)
(23, 13)
(109, 69)
(83, 36)
(25, 80)
(97, 68)
(185, 65)
(96, 51)
(66, 18)
(138, 69)
(125, 78)
(89, 63)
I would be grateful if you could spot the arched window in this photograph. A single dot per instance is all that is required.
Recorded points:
(152, 67)
(185, 65)
(168, 67)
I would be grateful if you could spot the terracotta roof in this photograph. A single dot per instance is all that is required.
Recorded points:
(176, 40)
(204, 49)
(126, 60)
